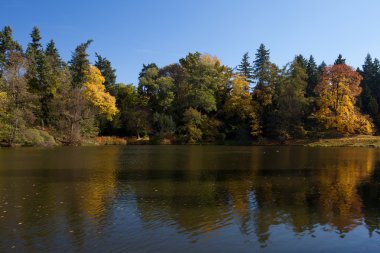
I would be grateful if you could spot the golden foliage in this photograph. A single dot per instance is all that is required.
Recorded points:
(338, 91)
(95, 92)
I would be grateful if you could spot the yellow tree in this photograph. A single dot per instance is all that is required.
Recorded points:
(338, 90)
(238, 106)
(95, 92)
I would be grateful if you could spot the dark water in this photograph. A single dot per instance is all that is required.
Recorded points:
(189, 199)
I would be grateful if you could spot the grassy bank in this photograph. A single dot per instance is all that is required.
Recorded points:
(355, 141)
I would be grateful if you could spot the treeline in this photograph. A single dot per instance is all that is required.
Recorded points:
(197, 100)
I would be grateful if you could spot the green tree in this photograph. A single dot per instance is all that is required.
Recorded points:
(266, 78)
(312, 76)
(340, 60)
(245, 69)
(7, 46)
(291, 101)
(158, 90)
(109, 74)
(79, 64)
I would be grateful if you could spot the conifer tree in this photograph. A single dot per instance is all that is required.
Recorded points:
(340, 60)
(245, 69)
(79, 64)
(107, 71)
(7, 45)
(312, 76)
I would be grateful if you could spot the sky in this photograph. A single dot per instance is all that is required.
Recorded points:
(132, 33)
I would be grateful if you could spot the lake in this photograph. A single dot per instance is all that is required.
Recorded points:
(189, 199)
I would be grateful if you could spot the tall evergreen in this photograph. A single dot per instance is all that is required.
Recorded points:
(340, 60)
(245, 69)
(261, 66)
(312, 76)
(79, 64)
(53, 56)
(302, 62)
(7, 45)
(107, 71)
(36, 63)
(368, 100)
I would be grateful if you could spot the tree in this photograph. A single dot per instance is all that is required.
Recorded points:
(245, 69)
(261, 67)
(7, 46)
(95, 92)
(238, 107)
(109, 74)
(291, 101)
(338, 90)
(191, 129)
(340, 60)
(79, 65)
(266, 78)
(158, 90)
(312, 76)
(134, 116)
(17, 102)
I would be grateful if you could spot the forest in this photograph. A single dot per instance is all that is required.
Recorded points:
(45, 100)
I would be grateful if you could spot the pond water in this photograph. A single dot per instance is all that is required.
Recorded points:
(189, 199)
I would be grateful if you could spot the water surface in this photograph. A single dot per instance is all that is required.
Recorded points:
(189, 199)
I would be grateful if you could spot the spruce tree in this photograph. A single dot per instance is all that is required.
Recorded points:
(79, 65)
(53, 56)
(107, 71)
(7, 45)
(340, 60)
(261, 66)
(312, 76)
(36, 64)
(245, 69)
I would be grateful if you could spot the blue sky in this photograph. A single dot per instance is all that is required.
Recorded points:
(131, 33)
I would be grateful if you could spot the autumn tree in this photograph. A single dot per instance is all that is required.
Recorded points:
(95, 92)
(17, 112)
(238, 108)
(338, 90)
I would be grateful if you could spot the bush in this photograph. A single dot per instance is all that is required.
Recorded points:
(35, 137)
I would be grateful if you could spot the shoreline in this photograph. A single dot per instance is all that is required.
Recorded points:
(352, 141)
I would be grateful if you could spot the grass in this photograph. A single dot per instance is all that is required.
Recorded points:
(353, 141)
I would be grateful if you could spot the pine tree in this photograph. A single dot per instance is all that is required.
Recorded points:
(34, 54)
(107, 71)
(53, 56)
(312, 76)
(340, 60)
(79, 65)
(7, 45)
(261, 66)
(245, 69)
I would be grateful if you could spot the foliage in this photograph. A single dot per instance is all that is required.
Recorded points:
(195, 100)
(245, 69)
(109, 74)
(95, 92)
(338, 90)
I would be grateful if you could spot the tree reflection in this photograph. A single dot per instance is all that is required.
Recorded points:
(258, 189)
